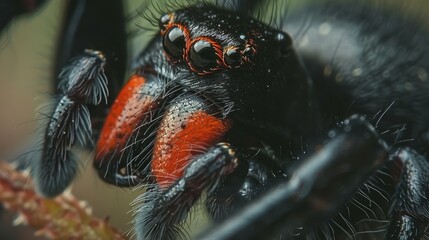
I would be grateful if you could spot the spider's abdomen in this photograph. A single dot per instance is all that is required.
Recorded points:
(365, 61)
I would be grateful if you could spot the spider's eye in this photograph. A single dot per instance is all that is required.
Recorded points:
(203, 55)
(285, 43)
(174, 42)
(164, 20)
(248, 52)
(232, 57)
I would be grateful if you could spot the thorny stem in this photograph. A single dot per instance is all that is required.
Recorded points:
(63, 217)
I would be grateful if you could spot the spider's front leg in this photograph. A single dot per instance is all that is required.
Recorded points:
(187, 159)
(410, 209)
(163, 210)
(51, 160)
(315, 189)
(316, 186)
(82, 84)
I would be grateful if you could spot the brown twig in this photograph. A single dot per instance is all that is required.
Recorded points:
(63, 217)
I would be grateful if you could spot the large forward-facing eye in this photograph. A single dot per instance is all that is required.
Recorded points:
(174, 42)
(203, 55)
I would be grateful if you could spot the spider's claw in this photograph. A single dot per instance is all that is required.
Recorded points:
(52, 163)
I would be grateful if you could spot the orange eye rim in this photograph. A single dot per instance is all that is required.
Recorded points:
(186, 34)
(218, 51)
(225, 50)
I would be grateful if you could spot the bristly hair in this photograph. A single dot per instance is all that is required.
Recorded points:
(83, 78)
(55, 166)
(52, 163)
(271, 12)
(154, 219)
(160, 213)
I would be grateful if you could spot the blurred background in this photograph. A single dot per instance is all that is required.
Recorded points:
(27, 50)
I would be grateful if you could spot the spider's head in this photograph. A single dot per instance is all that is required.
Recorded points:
(239, 63)
(206, 70)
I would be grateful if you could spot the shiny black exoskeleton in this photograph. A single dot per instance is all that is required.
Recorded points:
(367, 62)
(355, 74)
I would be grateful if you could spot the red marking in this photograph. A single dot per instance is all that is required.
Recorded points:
(129, 109)
(178, 142)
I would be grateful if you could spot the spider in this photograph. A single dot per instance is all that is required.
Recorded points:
(297, 131)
